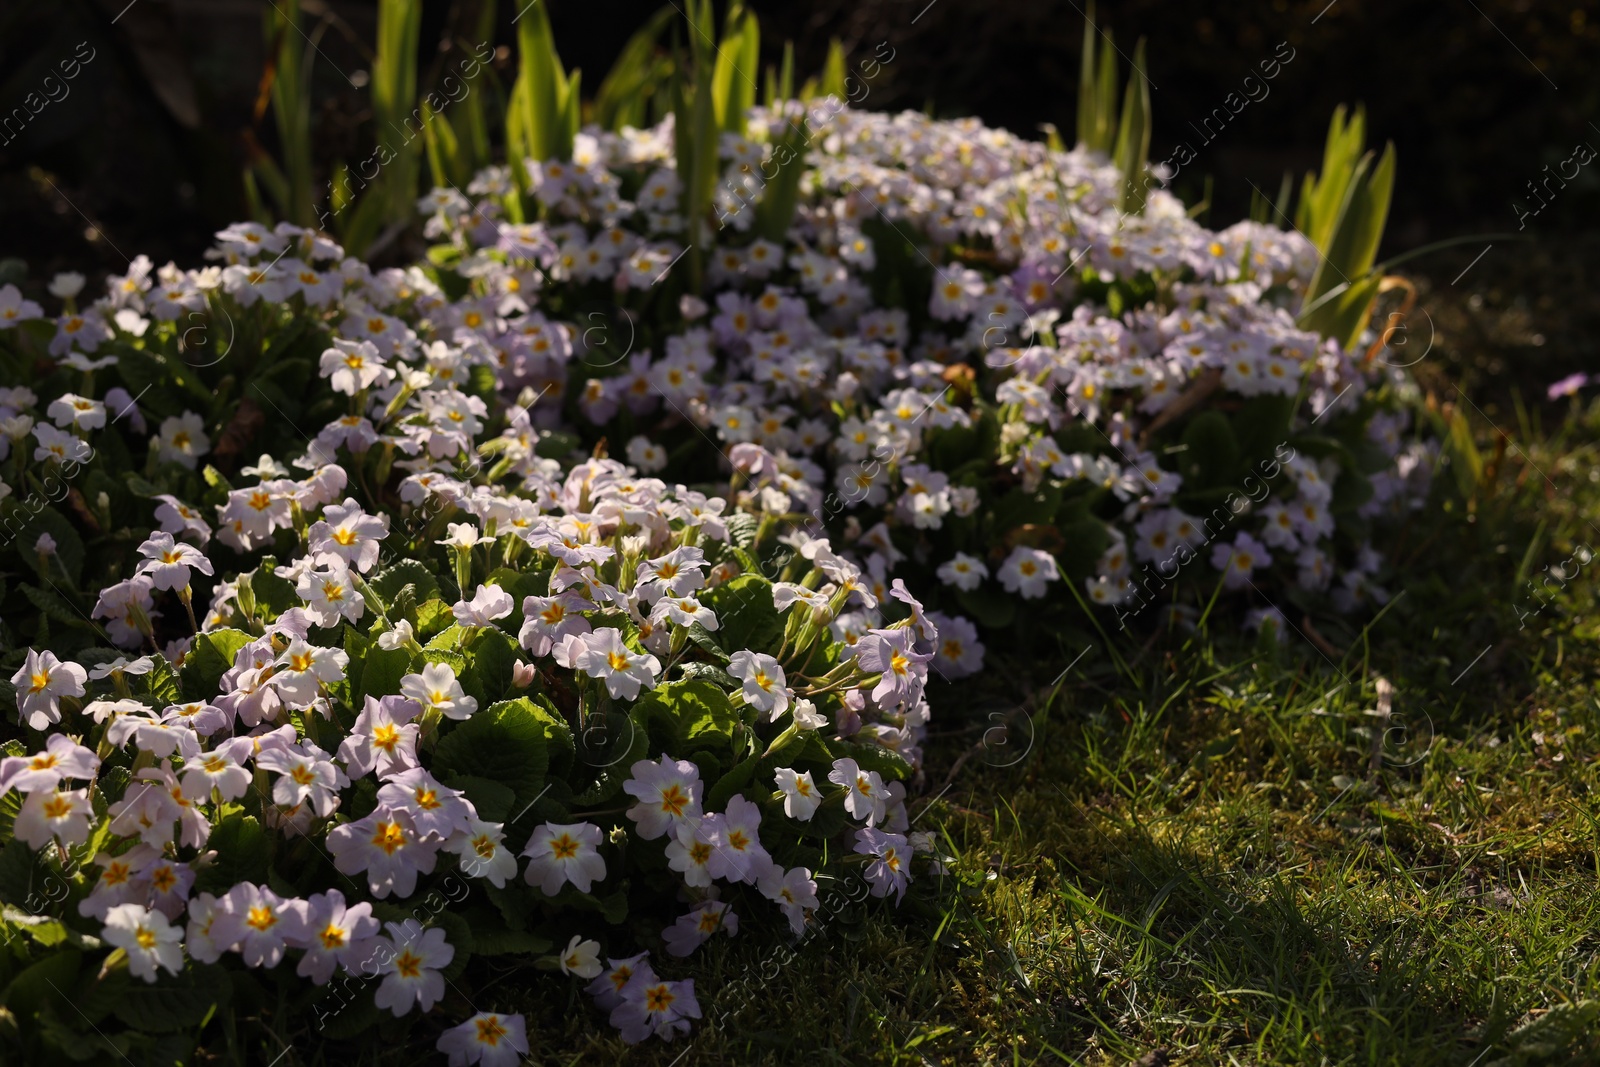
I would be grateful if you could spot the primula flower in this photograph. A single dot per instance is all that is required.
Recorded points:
(691, 846)
(490, 602)
(267, 922)
(79, 412)
(415, 956)
(561, 853)
(306, 776)
(890, 868)
(546, 620)
(149, 940)
(963, 571)
(678, 573)
(739, 856)
(607, 989)
(182, 440)
(386, 846)
(653, 1006)
(1239, 560)
(436, 689)
(332, 934)
(800, 794)
(866, 797)
(350, 534)
(41, 682)
(581, 958)
(329, 593)
(765, 687)
(487, 1038)
(668, 792)
(481, 851)
(794, 891)
(902, 670)
(352, 366)
(437, 811)
(221, 770)
(58, 447)
(602, 655)
(1028, 572)
(62, 758)
(47, 813)
(695, 929)
(383, 738)
(304, 669)
(214, 928)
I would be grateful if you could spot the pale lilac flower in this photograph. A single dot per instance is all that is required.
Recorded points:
(1028, 572)
(266, 923)
(386, 846)
(481, 851)
(62, 758)
(889, 870)
(41, 682)
(149, 940)
(581, 958)
(332, 933)
(436, 689)
(800, 794)
(561, 853)
(794, 891)
(329, 593)
(765, 687)
(652, 1006)
(546, 620)
(437, 811)
(603, 655)
(214, 928)
(867, 797)
(490, 602)
(62, 815)
(487, 1038)
(695, 929)
(411, 976)
(383, 738)
(668, 792)
(349, 533)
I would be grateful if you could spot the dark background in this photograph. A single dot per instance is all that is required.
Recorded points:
(1478, 96)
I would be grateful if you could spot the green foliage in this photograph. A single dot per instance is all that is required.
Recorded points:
(1343, 211)
(515, 743)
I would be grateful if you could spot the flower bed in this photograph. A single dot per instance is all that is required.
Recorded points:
(435, 645)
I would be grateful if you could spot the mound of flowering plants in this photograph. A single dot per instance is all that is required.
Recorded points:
(420, 699)
(961, 354)
(351, 672)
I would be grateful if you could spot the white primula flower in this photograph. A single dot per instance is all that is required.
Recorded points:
(765, 687)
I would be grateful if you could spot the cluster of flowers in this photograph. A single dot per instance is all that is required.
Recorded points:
(951, 309)
(956, 366)
(467, 646)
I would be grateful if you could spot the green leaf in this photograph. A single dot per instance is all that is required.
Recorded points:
(746, 617)
(691, 713)
(1211, 455)
(493, 799)
(208, 660)
(174, 1002)
(490, 657)
(492, 937)
(382, 671)
(510, 743)
(388, 582)
(718, 795)
(243, 850)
